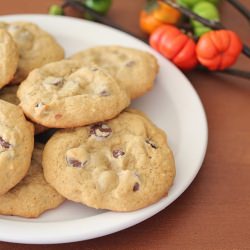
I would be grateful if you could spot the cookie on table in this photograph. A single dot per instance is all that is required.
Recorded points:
(36, 47)
(33, 195)
(8, 58)
(16, 145)
(8, 94)
(67, 94)
(123, 164)
(134, 69)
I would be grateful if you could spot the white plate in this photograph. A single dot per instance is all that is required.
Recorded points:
(173, 105)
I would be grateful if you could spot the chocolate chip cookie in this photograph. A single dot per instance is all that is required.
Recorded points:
(122, 164)
(8, 57)
(67, 94)
(8, 94)
(134, 69)
(16, 145)
(33, 195)
(36, 47)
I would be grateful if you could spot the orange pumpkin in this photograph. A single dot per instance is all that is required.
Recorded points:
(174, 45)
(218, 50)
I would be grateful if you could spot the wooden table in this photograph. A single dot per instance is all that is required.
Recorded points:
(214, 212)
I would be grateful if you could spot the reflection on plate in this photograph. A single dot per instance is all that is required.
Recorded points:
(173, 105)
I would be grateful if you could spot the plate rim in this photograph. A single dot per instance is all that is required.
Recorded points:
(132, 220)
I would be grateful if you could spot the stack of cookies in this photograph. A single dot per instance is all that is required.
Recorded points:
(102, 155)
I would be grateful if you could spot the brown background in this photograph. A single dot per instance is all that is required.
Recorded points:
(214, 213)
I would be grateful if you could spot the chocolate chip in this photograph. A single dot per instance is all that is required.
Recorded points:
(117, 153)
(4, 143)
(39, 105)
(136, 187)
(100, 130)
(151, 143)
(75, 163)
(130, 64)
(54, 81)
(104, 93)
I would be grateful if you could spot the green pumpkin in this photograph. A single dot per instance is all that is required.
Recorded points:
(191, 3)
(206, 10)
(100, 6)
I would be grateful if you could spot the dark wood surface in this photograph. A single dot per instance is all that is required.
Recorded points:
(214, 212)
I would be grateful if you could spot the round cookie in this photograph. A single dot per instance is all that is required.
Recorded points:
(67, 94)
(36, 47)
(16, 145)
(8, 94)
(33, 195)
(9, 57)
(134, 69)
(123, 164)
